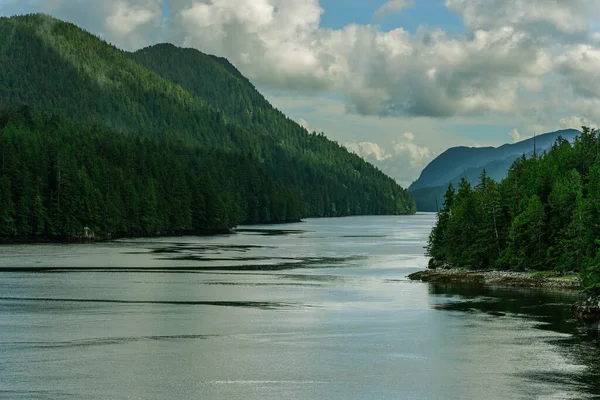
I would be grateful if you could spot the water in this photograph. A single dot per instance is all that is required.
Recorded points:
(316, 310)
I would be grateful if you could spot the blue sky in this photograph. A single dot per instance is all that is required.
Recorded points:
(339, 13)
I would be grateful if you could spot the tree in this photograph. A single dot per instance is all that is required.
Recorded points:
(7, 209)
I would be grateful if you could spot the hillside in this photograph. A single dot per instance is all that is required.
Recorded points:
(468, 162)
(196, 102)
(59, 177)
(543, 215)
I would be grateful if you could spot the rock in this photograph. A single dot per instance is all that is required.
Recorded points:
(438, 264)
(416, 276)
(587, 310)
(445, 274)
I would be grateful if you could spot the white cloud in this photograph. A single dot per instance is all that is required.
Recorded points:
(568, 17)
(576, 122)
(511, 47)
(393, 6)
(127, 23)
(515, 135)
(404, 161)
(406, 148)
(303, 123)
(367, 150)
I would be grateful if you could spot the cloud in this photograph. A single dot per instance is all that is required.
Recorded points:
(576, 122)
(404, 161)
(515, 135)
(403, 148)
(367, 150)
(547, 19)
(128, 23)
(511, 50)
(280, 44)
(406, 148)
(409, 136)
(393, 6)
(303, 123)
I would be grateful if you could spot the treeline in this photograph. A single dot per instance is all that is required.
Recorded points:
(544, 216)
(57, 178)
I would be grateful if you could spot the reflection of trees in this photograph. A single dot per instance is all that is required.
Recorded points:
(550, 308)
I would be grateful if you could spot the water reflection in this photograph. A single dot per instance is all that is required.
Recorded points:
(548, 311)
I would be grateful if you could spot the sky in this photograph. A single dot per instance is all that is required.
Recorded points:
(398, 81)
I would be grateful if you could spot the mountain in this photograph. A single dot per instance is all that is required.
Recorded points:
(469, 162)
(198, 111)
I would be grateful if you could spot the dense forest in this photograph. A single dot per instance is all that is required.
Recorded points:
(58, 178)
(162, 126)
(545, 215)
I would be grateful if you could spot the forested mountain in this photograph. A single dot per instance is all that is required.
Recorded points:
(468, 162)
(198, 110)
(544, 216)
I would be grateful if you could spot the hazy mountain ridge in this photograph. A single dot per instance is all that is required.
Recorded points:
(469, 162)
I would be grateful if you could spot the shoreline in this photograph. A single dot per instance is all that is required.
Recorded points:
(586, 310)
(105, 238)
(512, 279)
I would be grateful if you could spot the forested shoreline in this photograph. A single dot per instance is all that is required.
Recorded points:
(544, 216)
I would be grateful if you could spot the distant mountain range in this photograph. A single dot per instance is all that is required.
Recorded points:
(469, 162)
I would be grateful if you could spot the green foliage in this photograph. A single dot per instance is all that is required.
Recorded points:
(544, 216)
(59, 178)
(164, 139)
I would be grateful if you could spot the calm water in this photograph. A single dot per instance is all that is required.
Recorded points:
(317, 310)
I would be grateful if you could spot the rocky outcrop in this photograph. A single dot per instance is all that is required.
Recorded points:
(435, 264)
(587, 310)
(498, 278)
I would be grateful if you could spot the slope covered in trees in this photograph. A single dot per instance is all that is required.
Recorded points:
(57, 178)
(468, 162)
(205, 110)
(544, 216)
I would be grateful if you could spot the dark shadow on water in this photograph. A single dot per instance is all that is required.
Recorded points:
(313, 277)
(303, 263)
(208, 259)
(551, 311)
(261, 284)
(263, 305)
(550, 307)
(108, 341)
(174, 248)
(365, 236)
(270, 232)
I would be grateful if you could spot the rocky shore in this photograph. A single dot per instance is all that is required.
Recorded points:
(499, 278)
(586, 310)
